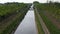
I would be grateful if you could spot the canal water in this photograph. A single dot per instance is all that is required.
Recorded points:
(27, 25)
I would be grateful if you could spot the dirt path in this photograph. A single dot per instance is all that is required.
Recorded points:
(45, 29)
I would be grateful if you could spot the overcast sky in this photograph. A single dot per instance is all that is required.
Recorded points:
(25, 1)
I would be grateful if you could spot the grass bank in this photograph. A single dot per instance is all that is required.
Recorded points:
(41, 8)
(50, 26)
(8, 25)
(13, 24)
(39, 27)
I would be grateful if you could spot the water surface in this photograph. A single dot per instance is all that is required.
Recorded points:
(27, 26)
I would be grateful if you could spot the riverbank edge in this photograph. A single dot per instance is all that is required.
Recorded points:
(39, 27)
(14, 23)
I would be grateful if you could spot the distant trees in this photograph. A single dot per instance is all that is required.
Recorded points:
(35, 2)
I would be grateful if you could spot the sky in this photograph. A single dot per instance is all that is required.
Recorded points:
(26, 1)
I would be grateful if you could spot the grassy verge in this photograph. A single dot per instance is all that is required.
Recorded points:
(39, 27)
(50, 26)
(54, 11)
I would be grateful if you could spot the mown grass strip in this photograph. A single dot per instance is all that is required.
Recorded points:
(39, 27)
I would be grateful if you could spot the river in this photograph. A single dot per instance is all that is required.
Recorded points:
(27, 25)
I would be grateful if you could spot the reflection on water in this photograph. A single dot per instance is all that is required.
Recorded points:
(27, 26)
